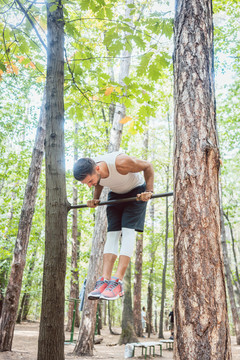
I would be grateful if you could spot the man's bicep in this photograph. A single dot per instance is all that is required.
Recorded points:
(126, 164)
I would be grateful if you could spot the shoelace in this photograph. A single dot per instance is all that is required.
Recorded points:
(99, 283)
(112, 284)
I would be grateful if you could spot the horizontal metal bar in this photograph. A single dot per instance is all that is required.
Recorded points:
(120, 201)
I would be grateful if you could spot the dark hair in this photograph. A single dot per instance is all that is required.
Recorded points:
(83, 167)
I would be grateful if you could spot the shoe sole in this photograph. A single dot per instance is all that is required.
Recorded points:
(93, 297)
(102, 297)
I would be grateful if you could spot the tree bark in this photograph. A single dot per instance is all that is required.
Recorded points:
(201, 321)
(150, 280)
(160, 334)
(137, 290)
(74, 283)
(128, 334)
(10, 303)
(138, 287)
(235, 315)
(25, 303)
(51, 333)
(4, 269)
(85, 341)
(237, 282)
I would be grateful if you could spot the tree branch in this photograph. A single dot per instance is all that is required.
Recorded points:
(32, 23)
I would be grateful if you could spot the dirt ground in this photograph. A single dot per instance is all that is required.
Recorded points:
(26, 336)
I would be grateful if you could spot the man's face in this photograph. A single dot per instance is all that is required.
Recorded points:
(92, 180)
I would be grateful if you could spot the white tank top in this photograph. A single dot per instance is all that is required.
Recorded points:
(117, 182)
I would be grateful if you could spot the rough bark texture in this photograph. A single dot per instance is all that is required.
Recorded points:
(150, 281)
(237, 282)
(160, 334)
(137, 291)
(201, 321)
(138, 287)
(85, 341)
(4, 269)
(163, 295)
(10, 304)
(25, 303)
(128, 335)
(74, 284)
(51, 334)
(235, 315)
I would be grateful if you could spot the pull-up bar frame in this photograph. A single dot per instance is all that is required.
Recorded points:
(120, 201)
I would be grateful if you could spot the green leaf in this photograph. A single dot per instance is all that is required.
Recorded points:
(2, 66)
(53, 8)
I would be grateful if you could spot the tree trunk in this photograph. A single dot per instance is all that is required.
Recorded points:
(109, 318)
(104, 313)
(137, 291)
(201, 321)
(150, 281)
(128, 335)
(24, 308)
(138, 287)
(234, 252)
(10, 303)
(85, 341)
(4, 269)
(74, 284)
(160, 334)
(235, 315)
(51, 333)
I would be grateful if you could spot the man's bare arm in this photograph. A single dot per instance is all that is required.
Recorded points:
(126, 164)
(96, 195)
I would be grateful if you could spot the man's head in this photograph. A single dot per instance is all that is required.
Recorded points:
(87, 171)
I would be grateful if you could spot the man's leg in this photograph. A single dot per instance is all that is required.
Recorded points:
(108, 263)
(122, 266)
(114, 290)
(126, 251)
(109, 257)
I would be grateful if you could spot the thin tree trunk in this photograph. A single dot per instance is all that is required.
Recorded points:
(201, 321)
(137, 290)
(160, 334)
(74, 284)
(138, 287)
(26, 306)
(51, 333)
(85, 341)
(26, 296)
(234, 251)
(4, 269)
(105, 313)
(109, 318)
(10, 304)
(150, 280)
(128, 334)
(235, 314)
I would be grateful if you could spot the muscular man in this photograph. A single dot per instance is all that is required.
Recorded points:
(121, 173)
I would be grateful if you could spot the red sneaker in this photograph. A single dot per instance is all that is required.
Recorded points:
(114, 290)
(100, 286)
